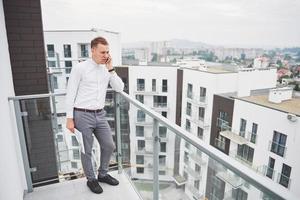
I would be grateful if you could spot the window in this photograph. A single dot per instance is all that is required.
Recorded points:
(197, 184)
(140, 98)
(140, 159)
(164, 113)
(76, 154)
(162, 131)
(140, 84)
(68, 65)
(55, 83)
(140, 131)
(190, 91)
(50, 50)
(202, 94)
(162, 160)
(164, 85)
(187, 125)
(245, 153)
(201, 113)
(197, 168)
(162, 172)
(278, 143)
(74, 141)
(223, 115)
(140, 170)
(51, 63)
(187, 145)
(141, 117)
(185, 175)
(188, 109)
(84, 52)
(163, 147)
(220, 142)
(253, 133)
(200, 133)
(186, 157)
(74, 165)
(270, 168)
(285, 175)
(60, 138)
(153, 85)
(67, 51)
(159, 101)
(141, 145)
(239, 194)
(243, 127)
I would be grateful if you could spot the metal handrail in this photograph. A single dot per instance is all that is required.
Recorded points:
(230, 163)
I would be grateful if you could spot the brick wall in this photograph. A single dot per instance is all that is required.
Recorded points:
(26, 46)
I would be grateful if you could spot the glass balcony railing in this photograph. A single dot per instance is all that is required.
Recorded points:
(140, 87)
(84, 54)
(155, 168)
(277, 148)
(51, 54)
(196, 99)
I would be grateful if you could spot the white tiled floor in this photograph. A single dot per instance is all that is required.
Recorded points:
(77, 190)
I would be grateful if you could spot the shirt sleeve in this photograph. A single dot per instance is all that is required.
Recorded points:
(72, 89)
(116, 82)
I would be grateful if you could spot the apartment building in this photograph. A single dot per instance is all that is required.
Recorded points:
(261, 134)
(200, 84)
(153, 86)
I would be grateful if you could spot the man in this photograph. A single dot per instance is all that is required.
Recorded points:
(85, 101)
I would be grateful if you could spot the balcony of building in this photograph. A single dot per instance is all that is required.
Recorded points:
(161, 182)
(228, 132)
(197, 100)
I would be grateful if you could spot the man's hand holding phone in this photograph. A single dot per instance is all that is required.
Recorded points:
(108, 63)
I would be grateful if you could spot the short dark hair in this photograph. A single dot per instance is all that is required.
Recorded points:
(98, 40)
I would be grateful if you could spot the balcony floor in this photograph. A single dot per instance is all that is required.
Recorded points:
(77, 190)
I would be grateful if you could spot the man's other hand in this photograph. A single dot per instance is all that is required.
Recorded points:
(70, 124)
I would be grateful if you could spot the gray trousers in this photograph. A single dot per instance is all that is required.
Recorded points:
(94, 123)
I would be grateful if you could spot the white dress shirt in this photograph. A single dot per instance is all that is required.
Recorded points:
(87, 86)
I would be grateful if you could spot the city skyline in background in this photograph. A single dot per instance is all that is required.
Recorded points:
(266, 24)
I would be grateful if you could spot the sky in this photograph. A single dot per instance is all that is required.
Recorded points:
(255, 23)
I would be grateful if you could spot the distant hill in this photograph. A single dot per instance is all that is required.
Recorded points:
(176, 43)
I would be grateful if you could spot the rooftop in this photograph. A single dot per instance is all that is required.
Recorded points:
(260, 97)
(289, 106)
(213, 70)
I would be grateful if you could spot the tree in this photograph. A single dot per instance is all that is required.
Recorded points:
(297, 88)
(287, 57)
(279, 63)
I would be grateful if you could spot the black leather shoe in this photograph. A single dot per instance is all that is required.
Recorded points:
(94, 186)
(108, 179)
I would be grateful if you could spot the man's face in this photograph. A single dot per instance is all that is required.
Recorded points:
(100, 53)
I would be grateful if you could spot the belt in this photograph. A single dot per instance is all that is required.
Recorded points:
(88, 110)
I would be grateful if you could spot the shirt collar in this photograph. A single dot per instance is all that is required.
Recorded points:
(95, 64)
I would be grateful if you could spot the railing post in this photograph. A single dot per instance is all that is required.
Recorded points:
(156, 146)
(21, 134)
(118, 130)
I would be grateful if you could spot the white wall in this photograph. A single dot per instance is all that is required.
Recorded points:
(12, 182)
